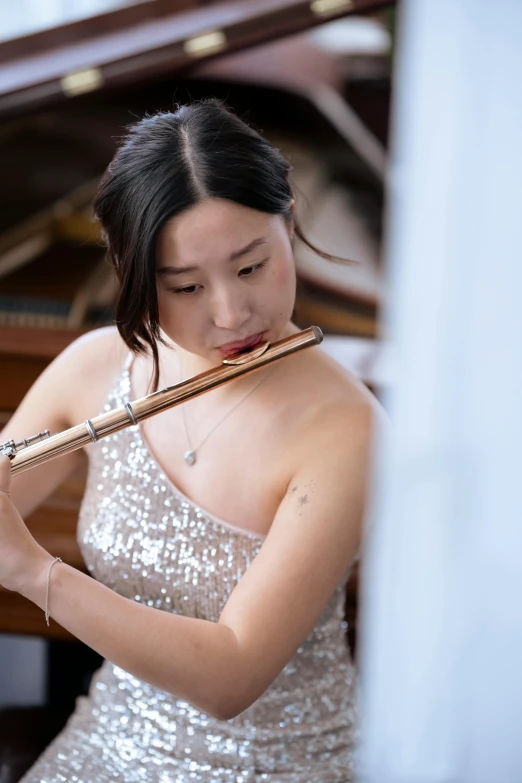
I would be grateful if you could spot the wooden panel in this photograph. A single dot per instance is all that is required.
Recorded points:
(155, 47)
(24, 354)
(101, 24)
(333, 318)
(36, 343)
(18, 375)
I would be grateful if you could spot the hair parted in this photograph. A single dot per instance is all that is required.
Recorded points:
(167, 163)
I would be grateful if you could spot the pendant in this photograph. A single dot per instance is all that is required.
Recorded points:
(190, 457)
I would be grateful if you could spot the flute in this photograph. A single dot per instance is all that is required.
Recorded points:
(42, 447)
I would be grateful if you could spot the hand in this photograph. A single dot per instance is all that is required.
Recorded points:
(22, 560)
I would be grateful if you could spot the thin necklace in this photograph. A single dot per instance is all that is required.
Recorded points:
(190, 455)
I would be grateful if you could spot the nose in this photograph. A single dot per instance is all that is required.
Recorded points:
(230, 310)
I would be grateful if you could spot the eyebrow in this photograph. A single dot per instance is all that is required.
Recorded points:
(165, 271)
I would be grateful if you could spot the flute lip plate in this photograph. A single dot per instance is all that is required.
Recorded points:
(247, 357)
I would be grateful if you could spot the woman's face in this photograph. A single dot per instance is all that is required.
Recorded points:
(225, 278)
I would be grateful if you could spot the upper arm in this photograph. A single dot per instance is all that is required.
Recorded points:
(314, 538)
(53, 402)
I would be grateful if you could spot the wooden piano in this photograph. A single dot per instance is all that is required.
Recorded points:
(67, 92)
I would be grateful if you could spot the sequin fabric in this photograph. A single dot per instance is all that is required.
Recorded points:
(144, 539)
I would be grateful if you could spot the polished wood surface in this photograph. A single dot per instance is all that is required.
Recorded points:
(146, 42)
(24, 354)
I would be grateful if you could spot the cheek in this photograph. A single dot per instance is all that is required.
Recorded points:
(284, 280)
(181, 320)
(165, 307)
(171, 316)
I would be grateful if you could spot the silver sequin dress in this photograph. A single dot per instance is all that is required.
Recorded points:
(144, 539)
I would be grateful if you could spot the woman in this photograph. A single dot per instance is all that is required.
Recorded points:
(220, 534)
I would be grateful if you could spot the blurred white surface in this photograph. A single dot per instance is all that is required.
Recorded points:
(23, 672)
(370, 360)
(442, 624)
(354, 35)
(24, 17)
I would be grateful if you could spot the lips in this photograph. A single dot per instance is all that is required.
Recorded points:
(241, 345)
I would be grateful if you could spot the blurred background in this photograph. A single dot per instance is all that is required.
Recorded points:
(313, 77)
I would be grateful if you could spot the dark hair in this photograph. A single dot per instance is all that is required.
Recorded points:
(167, 163)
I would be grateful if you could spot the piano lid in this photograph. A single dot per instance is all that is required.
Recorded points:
(145, 40)
(54, 155)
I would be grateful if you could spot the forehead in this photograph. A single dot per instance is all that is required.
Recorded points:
(212, 230)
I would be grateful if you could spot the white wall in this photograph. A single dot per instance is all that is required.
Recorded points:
(24, 17)
(442, 623)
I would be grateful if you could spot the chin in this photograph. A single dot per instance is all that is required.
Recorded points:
(277, 333)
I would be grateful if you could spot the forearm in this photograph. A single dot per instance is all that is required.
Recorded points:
(196, 660)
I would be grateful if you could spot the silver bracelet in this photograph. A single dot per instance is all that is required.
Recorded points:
(56, 560)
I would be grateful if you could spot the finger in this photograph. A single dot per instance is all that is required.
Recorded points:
(5, 473)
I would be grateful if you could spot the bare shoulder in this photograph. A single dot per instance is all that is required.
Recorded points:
(331, 423)
(85, 370)
(330, 403)
(96, 349)
(332, 451)
(72, 387)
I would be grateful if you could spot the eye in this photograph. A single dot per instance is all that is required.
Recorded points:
(189, 289)
(248, 271)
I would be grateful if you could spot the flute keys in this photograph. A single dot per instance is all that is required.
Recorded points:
(11, 448)
(8, 449)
